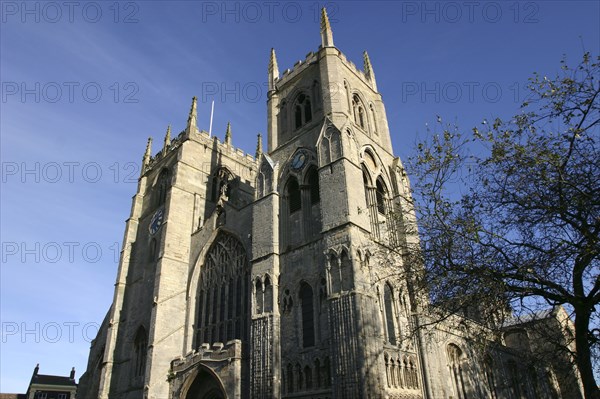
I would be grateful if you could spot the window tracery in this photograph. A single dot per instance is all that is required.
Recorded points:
(223, 292)
(162, 186)
(302, 111)
(358, 111)
(308, 315)
(140, 348)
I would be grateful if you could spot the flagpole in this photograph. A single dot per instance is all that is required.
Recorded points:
(212, 110)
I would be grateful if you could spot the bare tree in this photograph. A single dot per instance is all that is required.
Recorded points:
(509, 213)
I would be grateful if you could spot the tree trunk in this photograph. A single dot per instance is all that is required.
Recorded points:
(583, 357)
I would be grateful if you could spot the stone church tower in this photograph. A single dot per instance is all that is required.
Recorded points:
(262, 276)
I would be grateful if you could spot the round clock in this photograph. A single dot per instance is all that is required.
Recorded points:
(299, 161)
(156, 221)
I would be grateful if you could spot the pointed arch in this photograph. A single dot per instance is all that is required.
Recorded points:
(381, 196)
(203, 384)
(312, 179)
(327, 372)
(335, 280)
(388, 301)
(294, 196)
(258, 295)
(359, 113)
(140, 345)
(290, 378)
(302, 110)
(224, 292)
(152, 250)
(370, 202)
(162, 186)
(308, 381)
(515, 378)
(287, 302)
(367, 183)
(299, 379)
(318, 378)
(308, 314)
(490, 377)
(346, 271)
(268, 294)
(455, 363)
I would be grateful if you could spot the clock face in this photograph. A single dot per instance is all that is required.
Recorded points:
(299, 161)
(156, 221)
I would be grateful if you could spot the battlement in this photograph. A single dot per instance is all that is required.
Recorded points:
(351, 65)
(239, 154)
(298, 67)
(217, 352)
(200, 136)
(312, 57)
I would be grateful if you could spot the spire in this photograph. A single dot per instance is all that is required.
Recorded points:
(36, 369)
(192, 118)
(369, 70)
(167, 142)
(146, 159)
(326, 33)
(259, 149)
(72, 375)
(228, 134)
(273, 70)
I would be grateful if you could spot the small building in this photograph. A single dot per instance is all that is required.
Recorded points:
(51, 386)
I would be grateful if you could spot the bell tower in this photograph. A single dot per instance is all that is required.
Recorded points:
(338, 185)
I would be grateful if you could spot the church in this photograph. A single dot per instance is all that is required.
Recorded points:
(269, 275)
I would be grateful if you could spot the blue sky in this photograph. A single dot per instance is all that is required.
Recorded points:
(83, 88)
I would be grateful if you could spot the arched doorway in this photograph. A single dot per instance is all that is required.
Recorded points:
(206, 386)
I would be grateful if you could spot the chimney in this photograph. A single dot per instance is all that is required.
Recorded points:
(72, 375)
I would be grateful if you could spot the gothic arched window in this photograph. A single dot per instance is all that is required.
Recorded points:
(308, 377)
(300, 380)
(258, 293)
(488, 369)
(308, 315)
(290, 378)
(313, 183)
(381, 196)
(152, 250)
(367, 184)
(140, 348)
(515, 379)
(268, 301)
(456, 369)
(318, 382)
(358, 110)
(294, 196)
(388, 300)
(302, 111)
(162, 186)
(223, 292)
(327, 372)
(346, 272)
